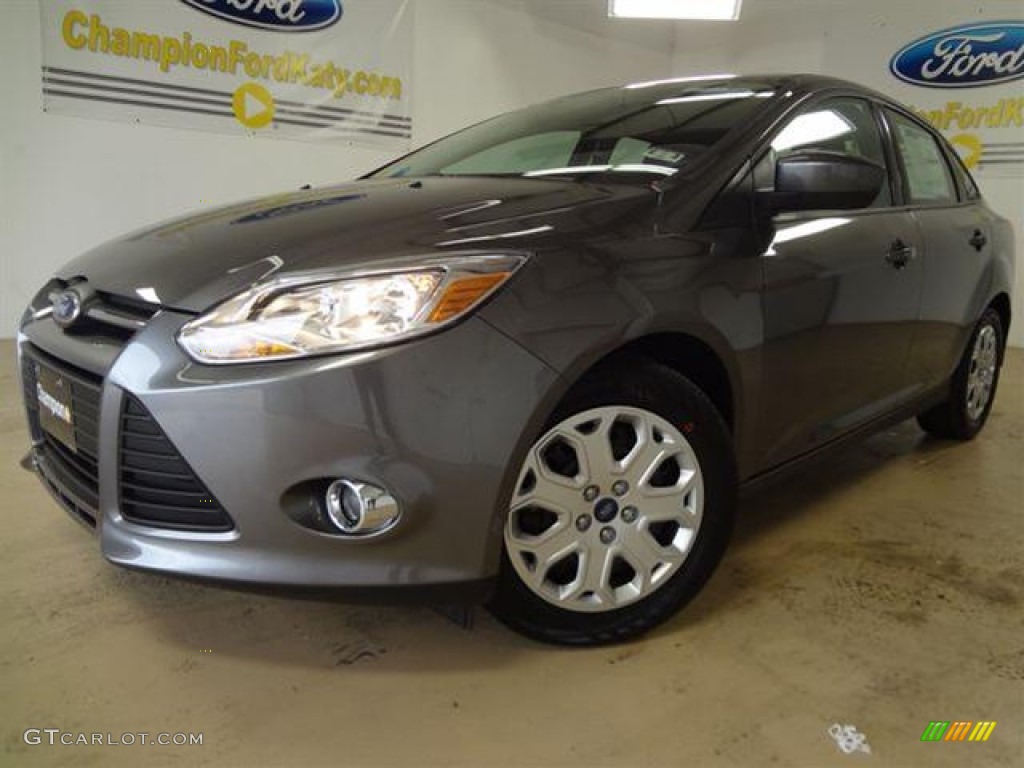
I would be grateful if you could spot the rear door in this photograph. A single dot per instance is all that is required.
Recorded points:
(955, 232)
(841, 295)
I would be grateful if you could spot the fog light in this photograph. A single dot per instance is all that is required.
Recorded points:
(360, 509)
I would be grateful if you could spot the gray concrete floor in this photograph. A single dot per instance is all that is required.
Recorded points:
(883, 591)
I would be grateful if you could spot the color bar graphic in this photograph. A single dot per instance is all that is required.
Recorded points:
(958, 730)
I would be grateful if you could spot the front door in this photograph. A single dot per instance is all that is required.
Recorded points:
(841, 297)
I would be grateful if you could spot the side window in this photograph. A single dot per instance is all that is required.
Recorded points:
(929, 180)
(844, 125)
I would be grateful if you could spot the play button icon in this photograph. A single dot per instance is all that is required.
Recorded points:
(253, 106)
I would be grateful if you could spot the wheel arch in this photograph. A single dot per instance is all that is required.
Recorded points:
(688, 354)
(1001, 304)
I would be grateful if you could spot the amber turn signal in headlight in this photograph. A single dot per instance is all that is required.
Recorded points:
(462, 294)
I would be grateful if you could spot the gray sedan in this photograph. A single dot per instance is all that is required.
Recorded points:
(530, 364)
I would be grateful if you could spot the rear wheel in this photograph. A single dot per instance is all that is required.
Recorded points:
(621, 510)
(973, 386)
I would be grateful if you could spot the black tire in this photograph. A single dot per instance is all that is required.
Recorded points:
(951, 419)
(638, 383)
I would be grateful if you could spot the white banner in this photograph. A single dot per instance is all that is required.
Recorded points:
(321, 70)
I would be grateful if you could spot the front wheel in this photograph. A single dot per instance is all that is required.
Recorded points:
(973, 387)
(621, 511)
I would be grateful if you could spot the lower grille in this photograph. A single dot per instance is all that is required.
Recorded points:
(73, 474)
(158, 488)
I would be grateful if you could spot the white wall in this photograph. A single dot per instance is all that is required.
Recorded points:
(69, 183)
(856, 41)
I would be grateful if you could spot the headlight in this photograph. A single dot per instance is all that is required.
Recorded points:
(295, 317)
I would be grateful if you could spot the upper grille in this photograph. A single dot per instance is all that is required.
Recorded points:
(158, 487)
(76, 472)
(114, 317)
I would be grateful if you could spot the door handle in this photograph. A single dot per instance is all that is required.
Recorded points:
(978, 240)
(899, 254)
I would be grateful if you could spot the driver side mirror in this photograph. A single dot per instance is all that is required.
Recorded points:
(814, 180)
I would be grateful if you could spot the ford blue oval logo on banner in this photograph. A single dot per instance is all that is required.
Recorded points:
(277, 15)
(963, 57)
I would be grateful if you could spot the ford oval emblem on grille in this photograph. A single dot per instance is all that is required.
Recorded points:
(67, 307)
(965, 56)
(277, 15)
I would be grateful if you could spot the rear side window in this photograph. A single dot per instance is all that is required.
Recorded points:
(929, 181)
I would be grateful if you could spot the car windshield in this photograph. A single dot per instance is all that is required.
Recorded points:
(646, 128)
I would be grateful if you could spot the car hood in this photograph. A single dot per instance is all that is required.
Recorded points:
(195, 261)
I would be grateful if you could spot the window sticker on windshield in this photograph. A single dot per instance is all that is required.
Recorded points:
(664, 155)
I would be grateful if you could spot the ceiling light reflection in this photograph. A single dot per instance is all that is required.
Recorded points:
(804, 229)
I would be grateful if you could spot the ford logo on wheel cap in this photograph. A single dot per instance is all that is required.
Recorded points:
(277, 15)
(67, 307)
(962, 57)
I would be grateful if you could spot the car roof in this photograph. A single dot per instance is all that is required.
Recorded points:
(803, 82)
(813, 83)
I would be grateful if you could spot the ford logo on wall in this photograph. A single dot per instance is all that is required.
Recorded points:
(964, 57)
(277, 15)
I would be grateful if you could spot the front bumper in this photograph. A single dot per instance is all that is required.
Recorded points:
(440, 422)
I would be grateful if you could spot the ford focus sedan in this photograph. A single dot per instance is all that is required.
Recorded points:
(530, 364)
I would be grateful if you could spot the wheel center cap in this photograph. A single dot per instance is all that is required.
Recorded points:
(606, 509)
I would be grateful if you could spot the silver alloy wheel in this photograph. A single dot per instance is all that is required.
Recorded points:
(982, 375)
(606, 509)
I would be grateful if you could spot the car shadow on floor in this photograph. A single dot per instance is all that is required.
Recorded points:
(767, 509)
(832, 475)
(317, 633)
